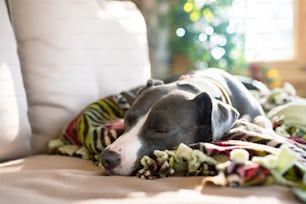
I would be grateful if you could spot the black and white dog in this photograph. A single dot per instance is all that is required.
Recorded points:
(199, 108)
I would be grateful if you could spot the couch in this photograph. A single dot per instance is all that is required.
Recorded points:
(57, 56)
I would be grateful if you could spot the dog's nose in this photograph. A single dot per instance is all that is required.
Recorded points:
(110, 159)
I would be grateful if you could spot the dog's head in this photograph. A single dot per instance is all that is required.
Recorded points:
(161, 118)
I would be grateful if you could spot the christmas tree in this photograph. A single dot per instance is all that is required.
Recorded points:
(206, 33)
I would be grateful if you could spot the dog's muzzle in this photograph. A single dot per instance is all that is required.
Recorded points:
(110, 159)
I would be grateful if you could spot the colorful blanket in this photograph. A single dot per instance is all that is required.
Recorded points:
(247, 155)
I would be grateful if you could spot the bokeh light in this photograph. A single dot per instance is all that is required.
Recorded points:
(194, 16)
(188, 7)
(217, 52)
(202, 37)
(180, 32)
(209, 30)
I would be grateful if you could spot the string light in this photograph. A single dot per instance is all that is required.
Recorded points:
(209, 30)
(194, 16)
(188, 7)
(217, 52)
(180, 32)
(208, 15)
(202, 37)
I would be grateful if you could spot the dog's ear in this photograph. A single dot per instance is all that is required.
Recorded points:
(223, 117)
(150, 83)
(220, 115)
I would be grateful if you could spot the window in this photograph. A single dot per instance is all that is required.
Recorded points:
(268, 26)
(275, 35)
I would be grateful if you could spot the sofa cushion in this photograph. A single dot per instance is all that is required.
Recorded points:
(15, 130)
(56, 179)
(75, 52)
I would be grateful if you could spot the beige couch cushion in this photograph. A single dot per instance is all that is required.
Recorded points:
(58, 179)
(14, 124)
(74, 52)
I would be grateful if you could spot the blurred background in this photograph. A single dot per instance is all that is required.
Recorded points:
(264, 39)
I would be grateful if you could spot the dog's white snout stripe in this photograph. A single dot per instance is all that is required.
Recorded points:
(127, 146)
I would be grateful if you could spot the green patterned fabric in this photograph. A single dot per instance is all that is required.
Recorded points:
(245, 147)
(97, 126)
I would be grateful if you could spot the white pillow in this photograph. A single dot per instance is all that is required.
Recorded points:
(75, 52)
(15, 129)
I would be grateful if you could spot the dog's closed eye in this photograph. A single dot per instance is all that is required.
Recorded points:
(158, 125)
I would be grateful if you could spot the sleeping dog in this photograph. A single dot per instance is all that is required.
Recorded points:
(198, 108)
